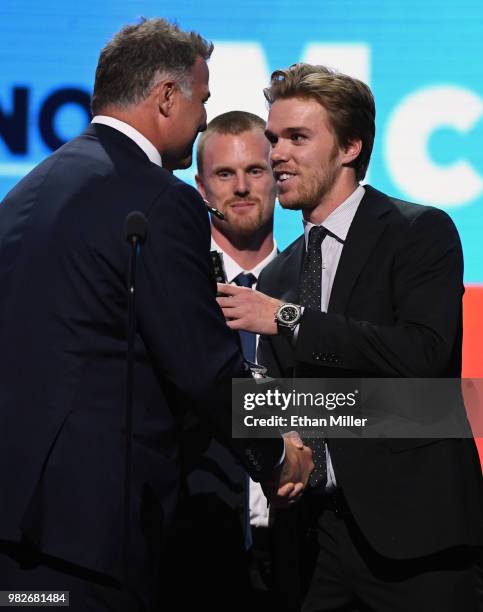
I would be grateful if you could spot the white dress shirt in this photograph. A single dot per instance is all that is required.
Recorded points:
(128, 130)
(233, 269)
(258, 501)
(338, 222)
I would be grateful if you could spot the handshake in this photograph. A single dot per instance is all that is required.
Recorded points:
(250, 310)
(291, 477)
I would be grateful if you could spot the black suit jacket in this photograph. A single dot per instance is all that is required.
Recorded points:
(394, 311)
(215, 483)
(63, 317)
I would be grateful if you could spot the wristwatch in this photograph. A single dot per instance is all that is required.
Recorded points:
(287, 317)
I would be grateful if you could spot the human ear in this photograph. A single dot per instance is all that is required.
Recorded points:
(165, 95)
(351, 150)
(200, 186)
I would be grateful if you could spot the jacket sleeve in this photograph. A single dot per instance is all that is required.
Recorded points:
(191, 346)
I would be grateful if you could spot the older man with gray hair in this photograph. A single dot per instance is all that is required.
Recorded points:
(64, 264)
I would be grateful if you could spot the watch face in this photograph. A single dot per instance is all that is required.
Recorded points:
(289, 313)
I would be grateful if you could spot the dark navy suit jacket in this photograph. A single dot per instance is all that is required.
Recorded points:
(394, 311)
(63, 317)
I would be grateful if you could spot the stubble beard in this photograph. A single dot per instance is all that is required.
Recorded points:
(244, 225)
(177, 162)
(313, 189)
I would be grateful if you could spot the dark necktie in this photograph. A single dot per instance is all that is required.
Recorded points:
(310, 296)
(249, 343)
(248, 339)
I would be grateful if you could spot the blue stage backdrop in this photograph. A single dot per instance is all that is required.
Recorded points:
(422, 60)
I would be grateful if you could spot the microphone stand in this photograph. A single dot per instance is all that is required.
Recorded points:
(136, 228)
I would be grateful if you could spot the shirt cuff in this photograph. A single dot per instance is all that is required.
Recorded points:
(282, 458)
(296, 328)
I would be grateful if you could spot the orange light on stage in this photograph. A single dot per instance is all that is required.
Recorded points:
(473, 339)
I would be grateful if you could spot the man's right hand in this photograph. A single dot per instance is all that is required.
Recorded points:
(291, 477)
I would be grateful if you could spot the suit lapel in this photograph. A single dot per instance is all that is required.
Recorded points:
(367, 226)
(290, 283)
(287, 290)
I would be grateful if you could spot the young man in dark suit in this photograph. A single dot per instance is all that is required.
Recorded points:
(374, 288)
(63, 306)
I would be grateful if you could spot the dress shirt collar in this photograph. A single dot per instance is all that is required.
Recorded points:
(128, 130)
(232, 269)
(340, 219)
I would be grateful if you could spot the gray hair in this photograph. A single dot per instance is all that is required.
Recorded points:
(140, 56)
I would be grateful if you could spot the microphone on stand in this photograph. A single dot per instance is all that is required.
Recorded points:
(135, 229)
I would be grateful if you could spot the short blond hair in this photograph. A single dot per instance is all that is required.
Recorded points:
(232, 122)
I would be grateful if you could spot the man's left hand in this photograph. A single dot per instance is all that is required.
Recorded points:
(248, 309)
